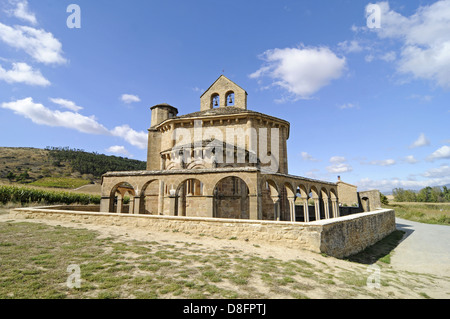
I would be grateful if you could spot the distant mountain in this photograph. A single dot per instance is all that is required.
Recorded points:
(30, 164)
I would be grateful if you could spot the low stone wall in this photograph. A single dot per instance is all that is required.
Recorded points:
(338, 237)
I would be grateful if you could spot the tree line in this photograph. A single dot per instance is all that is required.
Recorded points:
(93, 163)
(426, 195)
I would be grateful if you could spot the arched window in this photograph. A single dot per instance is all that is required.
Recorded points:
(229, 99)
(215, 100)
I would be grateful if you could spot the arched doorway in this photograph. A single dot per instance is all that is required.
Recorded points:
(301, 204)
(189, 198)
(270, 200)
(149, 199)
(117, 196)
(365, 204)
(231, 198)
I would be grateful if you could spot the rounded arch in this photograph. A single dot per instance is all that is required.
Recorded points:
(289, 189)
(287, 204)
(189, 198)
(215, 100)
(301, 191)
(334, 202)
(122, 187)
(229, 98)
(270, 199)
(323, 193)
(118, 197)
(196, 165)
(333, 194)
(314, 192)
(231, 198)
(149, 197)
(271, 186)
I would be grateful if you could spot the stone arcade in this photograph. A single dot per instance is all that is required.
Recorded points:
(224, 161)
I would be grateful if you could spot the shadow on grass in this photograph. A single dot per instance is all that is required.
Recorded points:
(379, 251)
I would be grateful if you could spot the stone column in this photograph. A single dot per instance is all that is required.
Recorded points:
(306, 210)
(326, 207)
(334, 207)
(291, 200)
(276, 207)
(131, 205)
(106, 204)
(173, 203)
(137, 204)
(253, 207)
(119, 204)
(317, 207)
(161, 198)
(209, 205)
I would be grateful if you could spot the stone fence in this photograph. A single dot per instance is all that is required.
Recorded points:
(339, 237)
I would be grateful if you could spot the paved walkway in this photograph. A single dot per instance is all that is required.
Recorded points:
(425, 248)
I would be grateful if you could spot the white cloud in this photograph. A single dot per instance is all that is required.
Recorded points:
(117, 149)
(389, 56)
(387, 185)
(387, 162)
(308, 157)
(421, 141)
(129, 98)
(38, 43)
(337, 159)
(425, 39)
(66, 104)
(138, 139)
(301, 71)
(369, 58)
(23, 73)
(422, 98)
(442, 171)
(197, 89)
(350, 46)
(42, 115)
(21, 11)
(441, 153)
(339, 168)
(347, 106)
(410, 159)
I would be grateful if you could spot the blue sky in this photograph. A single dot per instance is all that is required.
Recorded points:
(368, 104)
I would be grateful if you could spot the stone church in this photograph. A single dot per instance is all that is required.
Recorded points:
(224, 161)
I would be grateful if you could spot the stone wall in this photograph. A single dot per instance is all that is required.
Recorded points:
(348, 195)
(338, 237)
(369, 200)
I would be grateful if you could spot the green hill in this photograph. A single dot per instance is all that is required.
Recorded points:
(55, 166)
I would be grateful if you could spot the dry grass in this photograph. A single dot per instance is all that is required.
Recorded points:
(35, 257)
(430, 213)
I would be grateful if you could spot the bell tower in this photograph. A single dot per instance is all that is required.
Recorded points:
(223, 93)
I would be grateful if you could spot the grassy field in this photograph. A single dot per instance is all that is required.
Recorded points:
(35, 259)
(430, 213)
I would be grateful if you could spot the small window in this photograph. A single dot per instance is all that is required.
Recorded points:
(230, 99)
(215, 100)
